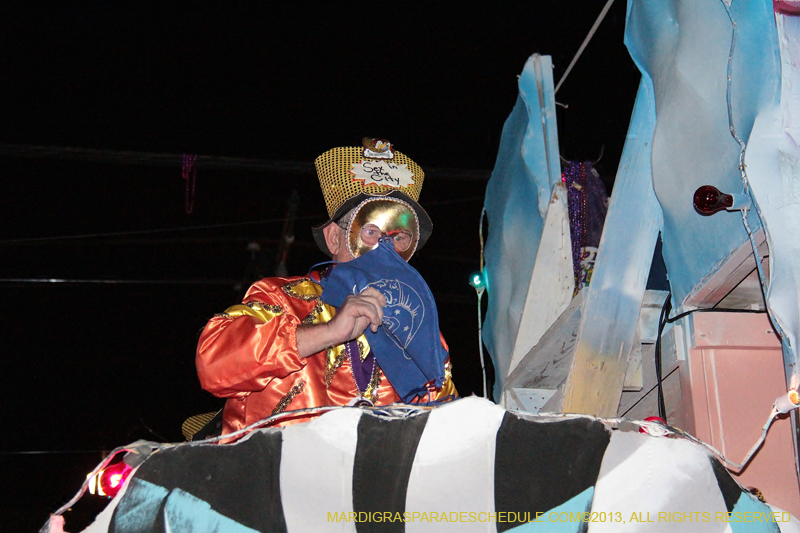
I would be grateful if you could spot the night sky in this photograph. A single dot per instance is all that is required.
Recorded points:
(108, 357)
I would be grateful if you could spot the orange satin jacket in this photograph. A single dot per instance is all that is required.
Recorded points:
(248, 354)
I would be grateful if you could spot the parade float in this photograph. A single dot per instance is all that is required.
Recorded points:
(583, 351)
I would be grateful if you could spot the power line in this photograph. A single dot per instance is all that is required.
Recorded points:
(151, 231)
(156, 159)
(54, 452)
(588, 38)
(153, 158)
(121, 281)
(281, 220)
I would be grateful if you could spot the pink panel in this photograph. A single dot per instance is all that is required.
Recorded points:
(736, 374)
(732, 330)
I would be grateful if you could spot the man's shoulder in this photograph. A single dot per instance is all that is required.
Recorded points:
(301, 287)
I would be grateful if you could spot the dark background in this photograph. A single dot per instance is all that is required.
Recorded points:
(108, 357)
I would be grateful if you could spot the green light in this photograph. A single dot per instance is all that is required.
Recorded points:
(476, 280)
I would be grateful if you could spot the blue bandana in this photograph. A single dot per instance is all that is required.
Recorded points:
(407, 346)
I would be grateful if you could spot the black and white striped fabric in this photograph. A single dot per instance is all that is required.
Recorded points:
(463, 467)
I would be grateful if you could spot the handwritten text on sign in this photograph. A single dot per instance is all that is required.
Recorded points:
(382, 173)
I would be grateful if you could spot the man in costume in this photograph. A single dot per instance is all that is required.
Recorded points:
(284, 348)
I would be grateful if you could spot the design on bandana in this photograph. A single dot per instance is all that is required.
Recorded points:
(414, 357)
(404, 311)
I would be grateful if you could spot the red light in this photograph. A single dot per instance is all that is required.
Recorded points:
(112, 478)
(708, 200)
(653, 419)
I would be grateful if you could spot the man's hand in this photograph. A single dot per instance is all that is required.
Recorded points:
(357, 312)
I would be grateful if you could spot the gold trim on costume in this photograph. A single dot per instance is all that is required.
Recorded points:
(758, 494)
(195, 423)
(448, 387)
(287, 399)
(261, 311)
(310, 317)
(371, 393)
(305, 289)
(363, 348)
(335, 356)
(261, 306)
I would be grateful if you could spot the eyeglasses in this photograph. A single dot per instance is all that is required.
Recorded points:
(401, 239)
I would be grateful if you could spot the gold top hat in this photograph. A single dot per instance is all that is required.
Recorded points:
(350, 174)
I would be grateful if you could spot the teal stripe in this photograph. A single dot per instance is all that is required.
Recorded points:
(189, 513)
(139, 507)
(566, 518)
(752, 516)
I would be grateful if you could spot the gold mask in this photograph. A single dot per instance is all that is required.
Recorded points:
(378, 217)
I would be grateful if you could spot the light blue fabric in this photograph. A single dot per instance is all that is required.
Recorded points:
(142, 504)
(139, 508)
(682, 47)
(752, 516)
(569, 517)
(516, 199)
(187, 513)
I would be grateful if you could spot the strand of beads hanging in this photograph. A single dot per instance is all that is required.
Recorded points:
(189, 174)
(574, 177)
